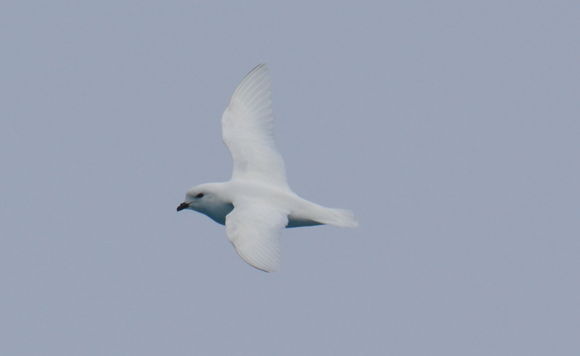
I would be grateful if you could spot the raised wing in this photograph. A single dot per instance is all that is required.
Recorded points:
(254, 228)
(247, 131)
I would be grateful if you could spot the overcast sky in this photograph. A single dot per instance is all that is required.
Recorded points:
(451, 128)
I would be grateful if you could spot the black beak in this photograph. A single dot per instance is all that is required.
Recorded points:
(182, 206)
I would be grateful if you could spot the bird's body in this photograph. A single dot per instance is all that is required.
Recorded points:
(300, 212)
(257, 202)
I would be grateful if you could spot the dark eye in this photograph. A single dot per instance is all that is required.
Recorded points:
(200, 195)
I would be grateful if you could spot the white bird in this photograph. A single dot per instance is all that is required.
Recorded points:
(257, 203)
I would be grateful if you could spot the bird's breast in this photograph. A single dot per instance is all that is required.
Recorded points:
(218, 212)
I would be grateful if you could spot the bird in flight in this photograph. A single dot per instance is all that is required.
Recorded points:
(257, 203)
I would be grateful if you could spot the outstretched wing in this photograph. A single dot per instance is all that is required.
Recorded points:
(253, 227)
(247, 131)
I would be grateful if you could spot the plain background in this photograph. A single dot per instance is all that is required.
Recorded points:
(451, 128)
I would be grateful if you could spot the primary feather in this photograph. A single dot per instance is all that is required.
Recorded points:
(247, 131)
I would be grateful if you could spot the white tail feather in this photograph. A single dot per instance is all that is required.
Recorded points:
(338, 217)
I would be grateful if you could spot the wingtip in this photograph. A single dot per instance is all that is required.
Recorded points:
(254, 89)
(262, 267)
(260, 67)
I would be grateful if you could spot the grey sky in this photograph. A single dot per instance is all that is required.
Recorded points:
(451, 128)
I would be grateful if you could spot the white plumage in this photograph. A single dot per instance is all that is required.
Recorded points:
(257, 203)
(247, 131)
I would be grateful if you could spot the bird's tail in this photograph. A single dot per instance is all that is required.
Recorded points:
(337, 217)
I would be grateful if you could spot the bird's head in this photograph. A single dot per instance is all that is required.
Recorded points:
(199, 198)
